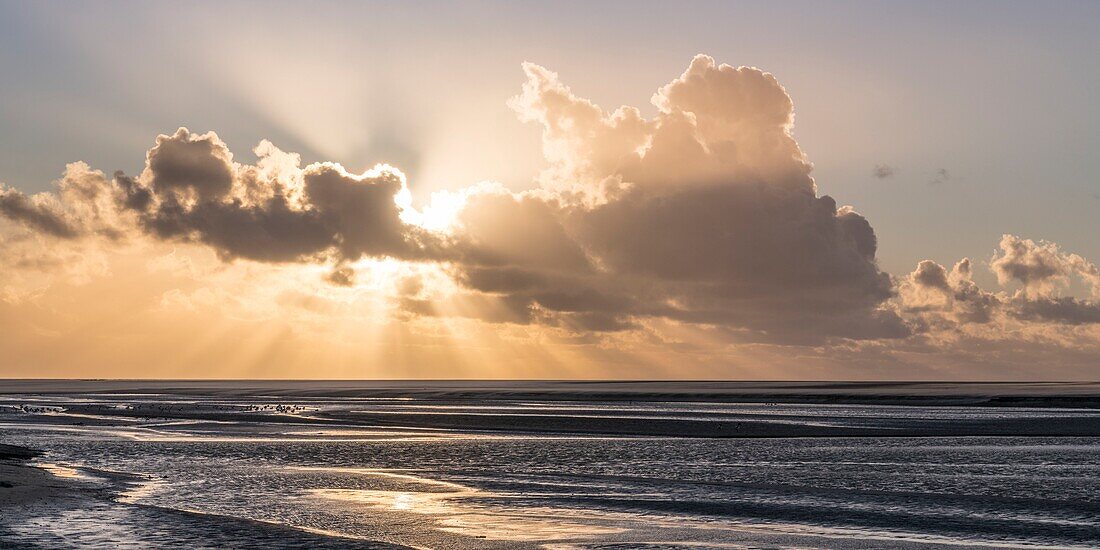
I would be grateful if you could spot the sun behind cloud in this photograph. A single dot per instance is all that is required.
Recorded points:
(692, 243)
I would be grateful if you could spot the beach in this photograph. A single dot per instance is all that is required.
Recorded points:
(553, 465)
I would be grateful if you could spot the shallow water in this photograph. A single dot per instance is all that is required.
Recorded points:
(217, 465)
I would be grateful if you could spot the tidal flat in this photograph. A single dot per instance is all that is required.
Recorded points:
(448, 464)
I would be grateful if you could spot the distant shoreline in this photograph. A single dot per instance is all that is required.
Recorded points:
(974, 394)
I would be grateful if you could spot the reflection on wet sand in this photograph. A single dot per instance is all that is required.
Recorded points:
(452, 511)
(404, 501)
(139, 490)
(62, 471)
(532, 525)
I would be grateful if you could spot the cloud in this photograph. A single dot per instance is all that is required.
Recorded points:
(1042, 270)
(704, 214)
(941, 176)
(274, 211)
(702, 219)
(341, 276)
(972, 304)
(1040, 267)
(937, 296)
(190, 164)
(1066, 310)
(928, 287)
(502, 229)
(882, 171)
(86, 203)
(40, 212)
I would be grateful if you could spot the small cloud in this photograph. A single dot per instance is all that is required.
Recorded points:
(941, 176)
(341, 276)
(883, 171)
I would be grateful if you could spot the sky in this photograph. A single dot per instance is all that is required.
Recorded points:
(792, 190)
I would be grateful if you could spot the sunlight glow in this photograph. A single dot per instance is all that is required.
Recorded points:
(441, 212)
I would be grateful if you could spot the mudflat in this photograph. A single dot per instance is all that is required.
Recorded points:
(1006, 394)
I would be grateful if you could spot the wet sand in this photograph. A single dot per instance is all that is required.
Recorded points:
(31, 497)
(745, 426)
(281, 464)
(21, 484)
(446, 406)
(749, 424)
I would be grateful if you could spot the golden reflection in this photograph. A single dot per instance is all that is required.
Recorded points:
(537, 525)
(140, 490)
(61, 471)
(405, 501)
(454, 512)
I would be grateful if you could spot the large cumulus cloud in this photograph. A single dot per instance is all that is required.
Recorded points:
(706, 213)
